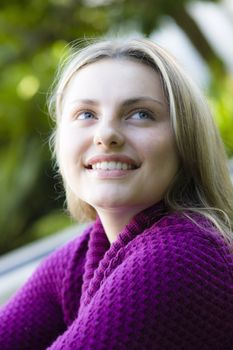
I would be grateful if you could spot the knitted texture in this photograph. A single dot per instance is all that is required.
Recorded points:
(166, 283)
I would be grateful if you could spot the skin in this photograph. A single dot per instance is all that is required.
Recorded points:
(116, 108)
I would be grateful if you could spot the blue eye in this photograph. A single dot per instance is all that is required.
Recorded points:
(85, 116)
(142, 115)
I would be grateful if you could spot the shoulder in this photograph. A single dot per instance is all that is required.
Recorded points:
(61, 271)
(182, 263)
(184, 274)
(185, 230)
(53, 269)
(66, 252)
(191, 246)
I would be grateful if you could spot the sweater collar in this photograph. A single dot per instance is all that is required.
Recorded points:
(100, 253)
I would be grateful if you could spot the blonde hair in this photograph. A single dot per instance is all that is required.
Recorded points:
(203, 182)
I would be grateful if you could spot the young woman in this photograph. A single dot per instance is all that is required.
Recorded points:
(138, 153)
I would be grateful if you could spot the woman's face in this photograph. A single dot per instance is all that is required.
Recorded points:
(116, 144)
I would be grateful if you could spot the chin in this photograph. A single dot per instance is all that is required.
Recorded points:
(110, 204)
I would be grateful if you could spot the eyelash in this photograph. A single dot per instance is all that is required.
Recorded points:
(149, 114)
(77, 115)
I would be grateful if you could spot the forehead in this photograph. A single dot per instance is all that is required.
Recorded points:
(114, 79)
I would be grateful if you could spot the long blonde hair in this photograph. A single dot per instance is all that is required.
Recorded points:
(203, 182)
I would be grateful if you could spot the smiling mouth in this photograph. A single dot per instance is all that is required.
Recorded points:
(111, 166)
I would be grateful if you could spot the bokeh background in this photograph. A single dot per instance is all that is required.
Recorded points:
(33, 38)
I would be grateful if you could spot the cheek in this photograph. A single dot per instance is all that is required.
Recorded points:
(70, 146)
(164, 152)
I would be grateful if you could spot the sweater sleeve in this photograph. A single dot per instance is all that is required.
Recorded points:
(33, 318)
(171, 292)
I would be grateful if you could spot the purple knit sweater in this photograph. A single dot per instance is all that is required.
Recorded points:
(166, 283)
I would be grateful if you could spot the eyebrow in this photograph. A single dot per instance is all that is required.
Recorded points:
(140, 99)
(125, 103)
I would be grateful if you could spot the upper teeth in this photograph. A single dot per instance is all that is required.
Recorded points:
(112, 166)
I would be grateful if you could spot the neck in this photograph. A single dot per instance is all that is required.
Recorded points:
(115, 220)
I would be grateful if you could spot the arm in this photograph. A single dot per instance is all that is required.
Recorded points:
(34, 317)
(173, 293)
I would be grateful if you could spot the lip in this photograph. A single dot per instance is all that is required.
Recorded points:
(109, 174)
(111, 158)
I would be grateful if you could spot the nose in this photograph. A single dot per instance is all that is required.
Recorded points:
(108, 135)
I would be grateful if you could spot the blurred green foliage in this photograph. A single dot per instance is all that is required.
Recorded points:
(221, 101)
(33, 37)
(27, 179)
